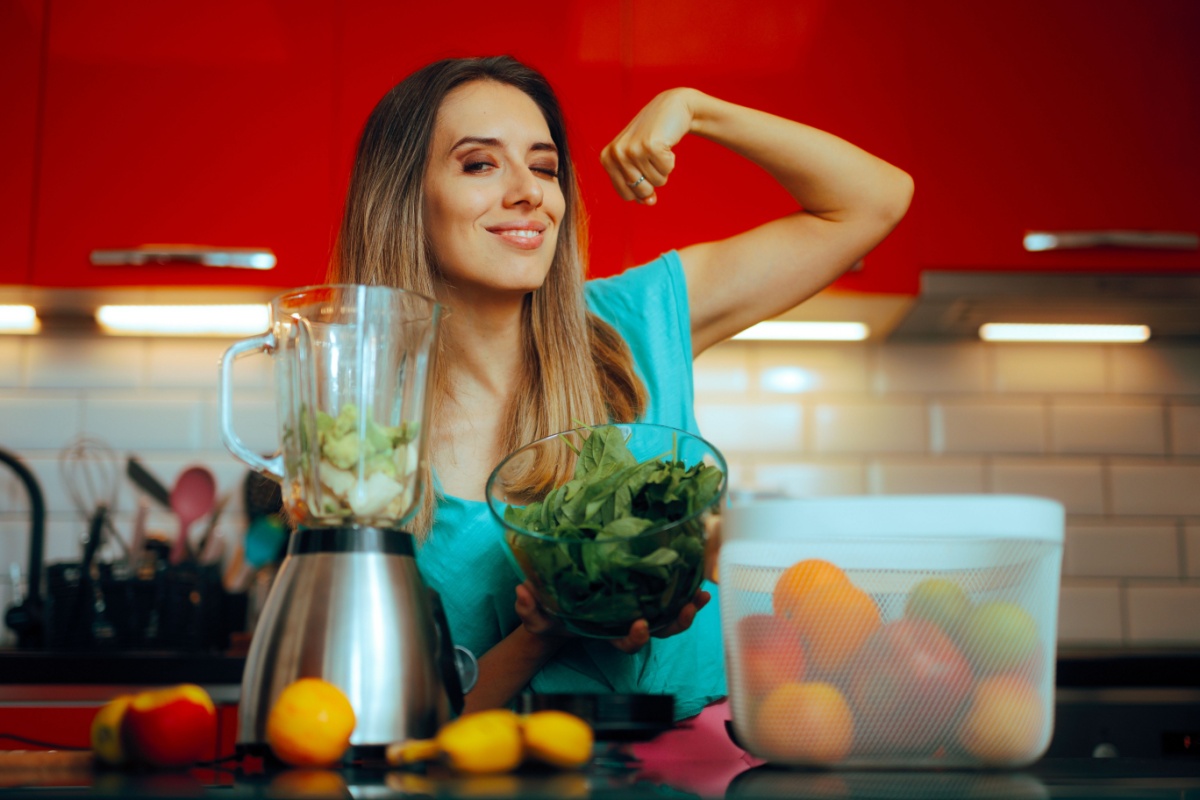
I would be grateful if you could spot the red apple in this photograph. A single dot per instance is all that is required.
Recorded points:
(908, 684)
(769, 653)
(173, 727)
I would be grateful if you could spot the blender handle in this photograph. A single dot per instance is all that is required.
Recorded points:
(264, 343)
(447, 654)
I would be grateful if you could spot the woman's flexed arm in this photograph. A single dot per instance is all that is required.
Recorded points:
(850, 200)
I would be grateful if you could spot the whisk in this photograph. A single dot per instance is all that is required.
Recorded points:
(91, 472)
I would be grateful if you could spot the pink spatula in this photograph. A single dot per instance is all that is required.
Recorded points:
(192, 497)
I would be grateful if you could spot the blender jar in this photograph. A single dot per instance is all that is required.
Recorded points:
(352, 365)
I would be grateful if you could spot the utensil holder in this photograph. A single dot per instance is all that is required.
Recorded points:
(176, 608)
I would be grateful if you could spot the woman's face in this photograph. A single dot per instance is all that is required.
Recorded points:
(493, 203)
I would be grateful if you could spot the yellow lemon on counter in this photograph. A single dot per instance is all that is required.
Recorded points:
(310, 724)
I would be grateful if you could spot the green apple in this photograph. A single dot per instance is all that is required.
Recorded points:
(998, 636)
(940, 601)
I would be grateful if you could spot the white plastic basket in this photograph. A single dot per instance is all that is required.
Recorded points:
(914, 631)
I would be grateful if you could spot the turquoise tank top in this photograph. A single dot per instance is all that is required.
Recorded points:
(464, 559)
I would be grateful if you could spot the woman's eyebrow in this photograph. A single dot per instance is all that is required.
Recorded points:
(491, 141)
(483, 140)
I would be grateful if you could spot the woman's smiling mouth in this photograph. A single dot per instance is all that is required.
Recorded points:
(526, 236)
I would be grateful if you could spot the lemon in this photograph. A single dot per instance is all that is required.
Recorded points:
(310, 724)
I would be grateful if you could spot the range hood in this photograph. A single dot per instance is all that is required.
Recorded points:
(954, 304)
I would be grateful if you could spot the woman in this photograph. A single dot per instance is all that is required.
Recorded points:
(464, 189)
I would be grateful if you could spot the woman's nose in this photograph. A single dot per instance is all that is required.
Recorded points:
(525, 187)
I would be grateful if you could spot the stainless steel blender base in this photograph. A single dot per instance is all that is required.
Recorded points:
(348, 606)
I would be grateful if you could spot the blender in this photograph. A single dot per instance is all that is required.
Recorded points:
(352, 366)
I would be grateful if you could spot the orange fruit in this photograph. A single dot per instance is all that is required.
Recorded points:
(1004, 724)
(802, 578)
(310, 724)
(833, 623)
(804, 723)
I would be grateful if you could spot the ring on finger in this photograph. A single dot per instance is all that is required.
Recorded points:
(638, 182)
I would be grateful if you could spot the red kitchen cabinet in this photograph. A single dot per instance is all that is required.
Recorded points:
(54, 727)
(1049, 115)
(1028, 115)
(173, 123)
(21, 28)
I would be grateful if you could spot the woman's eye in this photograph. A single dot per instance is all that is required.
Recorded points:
(477, 166)
(548, 171)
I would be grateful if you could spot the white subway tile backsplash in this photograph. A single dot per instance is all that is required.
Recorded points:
(1131, 551)
(255, 420)
(1077, 484)
(971, 426)
(1112, 432)
(933, 368)
(165, 421)
(722, 370)
(78, 362)
(194, 363)
(811, 479)
(1164, 614)
(856, 427)
(1089, 614)
(1049, 368)
(39, 420)
(803, 368)
(928, 476)
(1156, 488)
(48, 470)
(1156, 369)
(1107, 428)
(743, 427)
(1191, 546)
(12, 352)
(1185, 430)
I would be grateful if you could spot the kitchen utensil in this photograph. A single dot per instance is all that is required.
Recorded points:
(94, 626)
(211, 526)
(146, 481)
(25, 617)
(644, 557)
(931, 621)
(90, 470)
(137, 544)
(348, 604)
(192, 497)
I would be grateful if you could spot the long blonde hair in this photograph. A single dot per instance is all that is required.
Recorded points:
(577, 367)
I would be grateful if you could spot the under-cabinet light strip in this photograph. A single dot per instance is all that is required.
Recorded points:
(194, 320)
(806, 331)
(1026, 332)
(18, 319)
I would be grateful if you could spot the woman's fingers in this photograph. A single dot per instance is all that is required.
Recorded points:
(632, 178)
(639, 632)
(532, 617)
(639, 636)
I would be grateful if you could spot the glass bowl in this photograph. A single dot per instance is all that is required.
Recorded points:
(608, 523)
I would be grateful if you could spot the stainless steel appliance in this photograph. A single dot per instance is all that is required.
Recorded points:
(351, 367)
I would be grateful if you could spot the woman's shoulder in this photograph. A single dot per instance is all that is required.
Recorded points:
(656, 289)
(656, 276)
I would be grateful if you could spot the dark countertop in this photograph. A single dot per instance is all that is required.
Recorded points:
(1076, 668)
(1049, 778)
